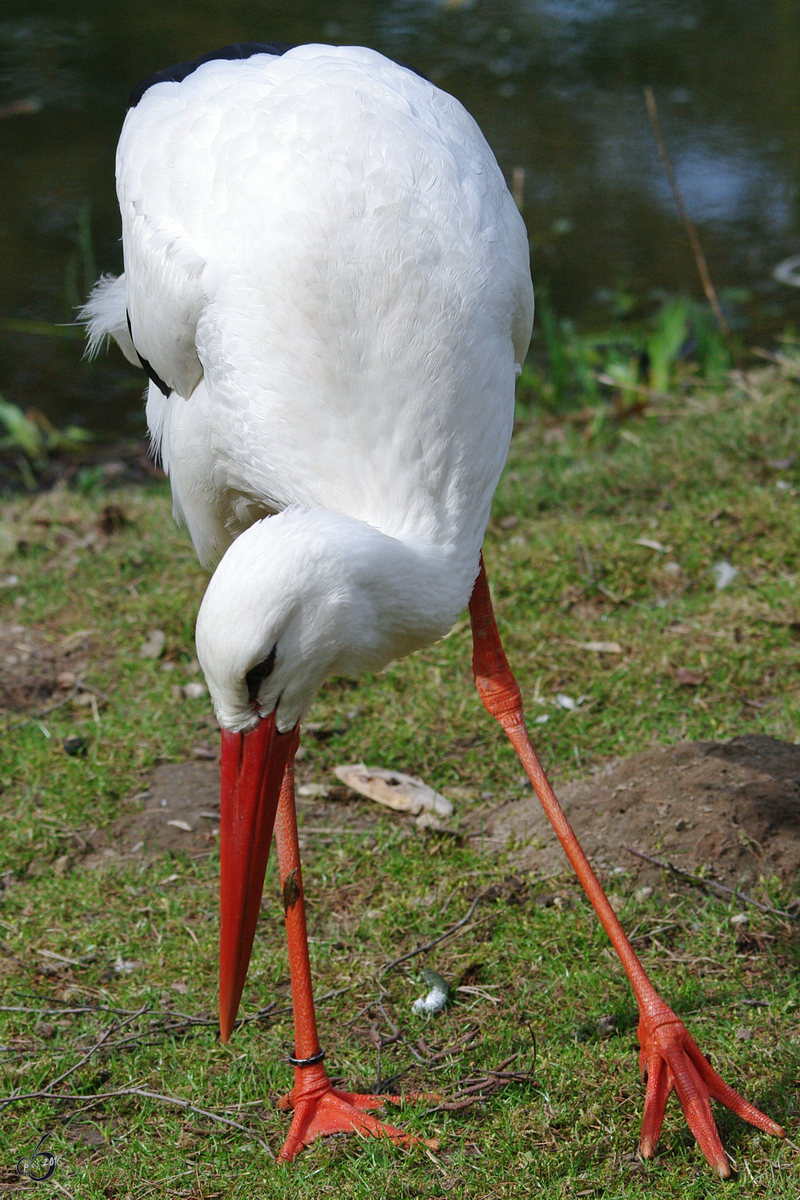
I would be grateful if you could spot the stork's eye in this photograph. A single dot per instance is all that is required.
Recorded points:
(257, 674)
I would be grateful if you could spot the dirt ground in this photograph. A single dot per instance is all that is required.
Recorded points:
(730, 810)
(180, 812)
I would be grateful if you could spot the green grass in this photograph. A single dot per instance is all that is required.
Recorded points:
(693, 475)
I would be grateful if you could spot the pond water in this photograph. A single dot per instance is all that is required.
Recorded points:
(556, 85)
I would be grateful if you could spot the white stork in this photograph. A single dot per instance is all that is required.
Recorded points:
(328, 283)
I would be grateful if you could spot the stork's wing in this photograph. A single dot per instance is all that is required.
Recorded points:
(152, 310)
(165, 296)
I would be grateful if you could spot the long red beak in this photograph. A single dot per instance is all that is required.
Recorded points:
(253, 766)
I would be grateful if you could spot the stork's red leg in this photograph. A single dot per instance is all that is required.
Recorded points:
(669, 1057)
(319, 1108)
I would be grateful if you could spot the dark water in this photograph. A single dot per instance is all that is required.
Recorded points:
(555, 84)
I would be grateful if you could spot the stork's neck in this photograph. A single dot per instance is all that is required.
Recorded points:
(417, 588)
(333, 596)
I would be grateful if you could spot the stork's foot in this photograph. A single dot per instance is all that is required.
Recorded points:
(668, 1059)
(321, 1109)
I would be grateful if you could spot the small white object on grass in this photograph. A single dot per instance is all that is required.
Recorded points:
(154, 646)
(724, 573)
(194, 690)
(124, 966)
(436, 998)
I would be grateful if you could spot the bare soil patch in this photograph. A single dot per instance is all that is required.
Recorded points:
(179, 813)
(37, 666)
(729, 809)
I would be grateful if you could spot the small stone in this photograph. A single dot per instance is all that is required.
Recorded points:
(740, 919)
(680, 825)
(194, 690)
(427, 820)
(204, 752)
(154, 646)
(74, 745)
(642, 893)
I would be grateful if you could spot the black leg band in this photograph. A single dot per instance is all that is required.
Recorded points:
(306, 1062)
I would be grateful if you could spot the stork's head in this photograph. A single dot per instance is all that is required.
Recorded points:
(264, 628)
(308, 594)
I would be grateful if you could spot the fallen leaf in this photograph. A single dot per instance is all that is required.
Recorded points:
(687, 678)
(651, 544)
(72, 962)
(73, 640)
(601, 647)
(394, 789)
(184, 825)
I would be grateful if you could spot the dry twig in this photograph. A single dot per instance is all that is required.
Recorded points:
(661, 862)
(700, 259)
(135, 1091)
(429, 945)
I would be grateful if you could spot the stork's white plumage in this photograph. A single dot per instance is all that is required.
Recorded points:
(328, 283)
(323, 261)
